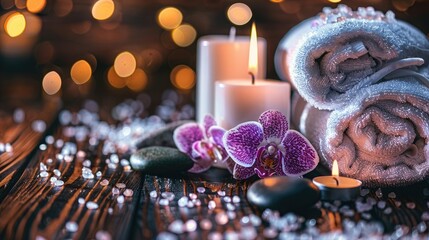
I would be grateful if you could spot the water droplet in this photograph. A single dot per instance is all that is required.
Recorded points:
(270, 232)
(193, 196)
(59, 183)
(128, 192)
(411, 205)
(168, 195)
(215, 236)
(120, 199)
(57, 172)
(153, 194)
(236, 199)
(44, 174)
(115, 191)
(191, 225)
(221, 218)
(392, 195)
(166, 236)
(103, 235)
(72, 226)
(91, 205)
(183, 201)
(211, 204)
(201, 189)
(176, 226)
(104, 182)
(206, 224)
(379, 193)
(164, 202)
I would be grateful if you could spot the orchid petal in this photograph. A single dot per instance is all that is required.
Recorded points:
(300, 155)
(241, 172)
(230, 164)
(241, 142)
(200, 152)
(198, 168)
(185, 135)
(275, 125)
(208, 122)
(217, 134)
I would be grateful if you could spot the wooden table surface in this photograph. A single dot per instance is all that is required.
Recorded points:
(31, 207)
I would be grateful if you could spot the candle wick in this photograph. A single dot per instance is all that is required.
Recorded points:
(253, 78)
(336, 180)
(232, 33)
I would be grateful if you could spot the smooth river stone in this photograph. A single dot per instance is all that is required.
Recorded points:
(162, 136)
(160, 161)
(283, 194)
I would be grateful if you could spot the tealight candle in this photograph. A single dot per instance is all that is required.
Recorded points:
(337, 188)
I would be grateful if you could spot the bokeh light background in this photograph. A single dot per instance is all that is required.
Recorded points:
(78, 49)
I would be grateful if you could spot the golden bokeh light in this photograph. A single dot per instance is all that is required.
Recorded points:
(184, 35)
(15, 24)
(81, 72)
(115, 80)
(403, 5)
(239, 13)
(36, 6)
(7, 4)
(290, 7)
(137, 81)
(334, 1)
(170, 18)
(63, 7)
(276, 1)
(33, 24)
(20, 4)
(51, 83)
(125, 64)
(183, 77)
(103, 9)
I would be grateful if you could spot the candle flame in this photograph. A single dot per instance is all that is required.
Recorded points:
(335, 171)
(253, 51)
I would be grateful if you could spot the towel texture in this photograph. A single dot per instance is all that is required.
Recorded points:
(381, 137)
(363, 78)
(329, 57)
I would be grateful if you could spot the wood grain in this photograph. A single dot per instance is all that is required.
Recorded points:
(35, 208)
(22, 138)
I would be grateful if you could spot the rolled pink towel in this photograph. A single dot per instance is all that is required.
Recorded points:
(381, 137)
(329, 57)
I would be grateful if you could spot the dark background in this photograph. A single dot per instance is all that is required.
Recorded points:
(63, 40)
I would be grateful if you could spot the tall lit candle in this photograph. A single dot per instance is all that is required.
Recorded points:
(220, 58)
(244, 99)
(336, 187)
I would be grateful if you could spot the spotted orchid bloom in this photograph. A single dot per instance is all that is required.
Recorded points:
(268, 148)
(203, 144)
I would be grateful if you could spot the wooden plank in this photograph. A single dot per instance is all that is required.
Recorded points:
(154, 218)
(37, 208)
(22, 138)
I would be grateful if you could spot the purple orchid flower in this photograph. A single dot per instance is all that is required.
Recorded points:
(268, 148)
(203, 144)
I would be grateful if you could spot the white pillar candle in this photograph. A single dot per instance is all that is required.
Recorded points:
(238, 101)
(220, 58)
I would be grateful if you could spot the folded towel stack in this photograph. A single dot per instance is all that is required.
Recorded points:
(363, 78)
